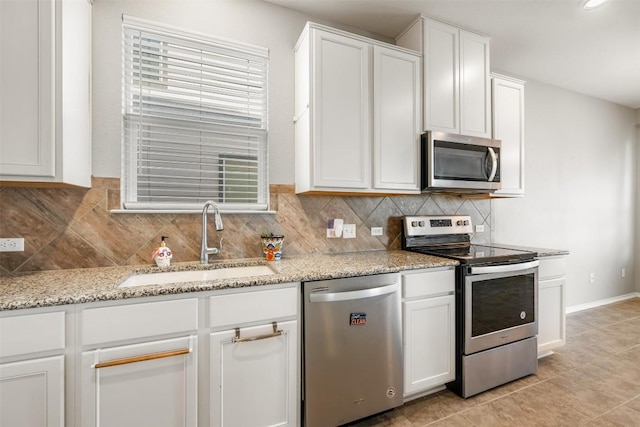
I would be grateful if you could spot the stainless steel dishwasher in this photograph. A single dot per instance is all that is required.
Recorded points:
(352, 348)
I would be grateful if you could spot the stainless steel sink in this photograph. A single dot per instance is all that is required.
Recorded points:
(196, 275)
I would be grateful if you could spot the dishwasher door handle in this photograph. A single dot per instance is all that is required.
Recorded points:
(351, 295)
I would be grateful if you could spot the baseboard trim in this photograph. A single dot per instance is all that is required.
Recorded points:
(607, 301)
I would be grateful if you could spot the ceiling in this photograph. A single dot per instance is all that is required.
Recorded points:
(594, 52)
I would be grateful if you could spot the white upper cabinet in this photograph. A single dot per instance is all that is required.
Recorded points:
(45, 109)
(397, 121)
(357, 114)
(508, 127)
(456, 77)
(341, 122)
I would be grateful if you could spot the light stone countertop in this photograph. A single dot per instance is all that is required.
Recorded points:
(60, 287)
(542, 252)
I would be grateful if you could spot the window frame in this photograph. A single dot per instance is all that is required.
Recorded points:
(250, 136)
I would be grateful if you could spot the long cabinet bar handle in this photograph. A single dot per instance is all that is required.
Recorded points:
(276, 333)
(143, 358)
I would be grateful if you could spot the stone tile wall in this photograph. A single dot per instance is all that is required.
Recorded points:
(74, 228)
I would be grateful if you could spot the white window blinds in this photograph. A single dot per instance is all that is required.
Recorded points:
(194, 120)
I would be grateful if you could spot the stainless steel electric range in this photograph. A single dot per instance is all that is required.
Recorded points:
(496, 302)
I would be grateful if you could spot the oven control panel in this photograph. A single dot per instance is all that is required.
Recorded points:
(435, 225)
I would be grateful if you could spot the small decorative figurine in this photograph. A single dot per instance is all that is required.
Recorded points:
(162, 254)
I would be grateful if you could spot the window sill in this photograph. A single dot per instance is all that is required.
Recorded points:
(186, 211)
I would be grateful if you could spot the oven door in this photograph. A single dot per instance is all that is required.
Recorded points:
(500, 305)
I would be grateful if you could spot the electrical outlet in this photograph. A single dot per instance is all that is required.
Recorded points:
(12, 245)
(480, 228)
(592, 278)
(624, 273)
(349, 231)
(377, 231)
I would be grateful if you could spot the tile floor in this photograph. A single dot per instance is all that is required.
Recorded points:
(594, 380)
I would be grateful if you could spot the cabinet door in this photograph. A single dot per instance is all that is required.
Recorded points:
(254, 383)
(149, 384)
(551, 315)
(508, 127)
(475, 95)
(27, 88)
(397, 119)
(429, 343)
(32, 393)
(341, 113)
(441, 65)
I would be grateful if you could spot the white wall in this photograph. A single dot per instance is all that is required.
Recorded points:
(637, 213)
(580, 187)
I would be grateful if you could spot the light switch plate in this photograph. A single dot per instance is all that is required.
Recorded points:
(349, 231)
(377, 231)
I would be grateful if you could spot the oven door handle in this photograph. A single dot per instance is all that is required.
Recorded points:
(508, 268)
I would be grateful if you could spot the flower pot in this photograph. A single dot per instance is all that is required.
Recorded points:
(272, 247)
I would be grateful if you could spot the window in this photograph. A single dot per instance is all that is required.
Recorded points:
(194, 120)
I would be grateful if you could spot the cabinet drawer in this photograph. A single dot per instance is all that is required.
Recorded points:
(551, 267)
(249, 307)
(100, 325)
(426, 283)
(31, 333)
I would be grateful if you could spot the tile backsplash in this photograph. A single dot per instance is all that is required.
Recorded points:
(74, 228)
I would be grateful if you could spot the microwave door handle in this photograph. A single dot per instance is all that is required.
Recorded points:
(494, 164)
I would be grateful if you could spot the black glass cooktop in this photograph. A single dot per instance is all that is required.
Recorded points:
(472, 254)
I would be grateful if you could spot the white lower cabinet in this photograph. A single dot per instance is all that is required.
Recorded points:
(32, 393)
(147, 384)
(551, 305)
(32, 369)
(222, 358)
(254, 358)
(139, 364)
(254, 377)
(428, 308)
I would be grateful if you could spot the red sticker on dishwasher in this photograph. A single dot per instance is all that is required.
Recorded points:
(358, 319)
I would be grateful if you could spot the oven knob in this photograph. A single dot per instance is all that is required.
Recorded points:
(414, 223)
(421, 223)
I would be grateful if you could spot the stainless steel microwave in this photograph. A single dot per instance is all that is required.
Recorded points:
(461, 163)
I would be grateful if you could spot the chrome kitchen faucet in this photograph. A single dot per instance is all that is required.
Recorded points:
(205, 250)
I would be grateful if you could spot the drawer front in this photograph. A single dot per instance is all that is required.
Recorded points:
(123, 322)
(249, 307)
(551, 267)
(31, 333)
(425, 283)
